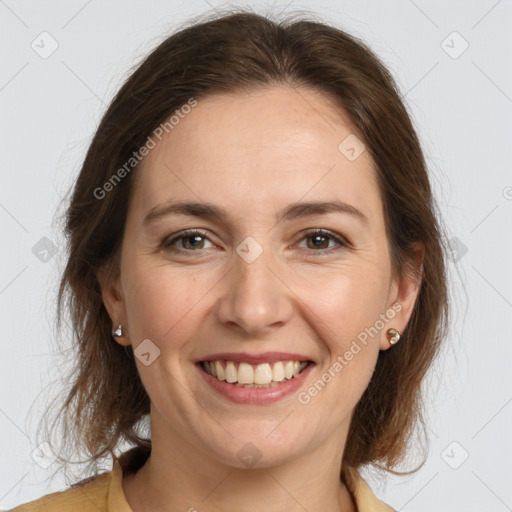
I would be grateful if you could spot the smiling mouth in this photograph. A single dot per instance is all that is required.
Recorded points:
(247, 375)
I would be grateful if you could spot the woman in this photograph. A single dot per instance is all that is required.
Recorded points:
(255, 266)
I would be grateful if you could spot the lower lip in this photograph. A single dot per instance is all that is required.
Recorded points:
(268, 395)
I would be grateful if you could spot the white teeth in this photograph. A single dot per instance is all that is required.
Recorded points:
(278, 372)
(245, 374)
(288, 369)
(221, 375)
(231, 374)
(263, 375)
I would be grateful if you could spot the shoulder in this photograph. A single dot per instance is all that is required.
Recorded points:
(99, 493)
(89, 495)
(364, 496)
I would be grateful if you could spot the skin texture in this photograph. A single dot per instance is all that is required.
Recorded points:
(253, 154)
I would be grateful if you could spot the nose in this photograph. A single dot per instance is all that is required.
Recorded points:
(254, 296)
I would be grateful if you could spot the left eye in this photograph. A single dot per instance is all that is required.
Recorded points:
(192, 238)
(319, 237)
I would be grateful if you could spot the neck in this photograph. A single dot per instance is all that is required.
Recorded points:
(179, 476)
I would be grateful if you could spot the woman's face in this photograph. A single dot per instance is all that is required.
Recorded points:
(258, 279)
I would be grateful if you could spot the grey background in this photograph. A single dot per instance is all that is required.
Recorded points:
(461, 103)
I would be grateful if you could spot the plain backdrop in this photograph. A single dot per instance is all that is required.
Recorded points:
(61, 63)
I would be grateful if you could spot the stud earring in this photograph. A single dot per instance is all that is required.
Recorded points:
(118, 333)
(393, 336)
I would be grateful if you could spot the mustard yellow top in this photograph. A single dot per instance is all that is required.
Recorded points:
(104, 492)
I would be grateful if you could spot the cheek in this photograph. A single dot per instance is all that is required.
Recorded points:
(347, 319)
(349, 302)
(160, 301)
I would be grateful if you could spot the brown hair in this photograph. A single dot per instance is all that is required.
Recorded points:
(242, 50)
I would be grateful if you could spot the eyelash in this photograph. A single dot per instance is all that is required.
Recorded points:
(167, 243)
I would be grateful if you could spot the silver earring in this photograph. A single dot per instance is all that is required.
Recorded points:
(118, 333)
(393, 336)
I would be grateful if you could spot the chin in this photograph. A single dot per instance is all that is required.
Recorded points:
(258, 449)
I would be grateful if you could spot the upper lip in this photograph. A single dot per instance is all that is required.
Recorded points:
(264, 357)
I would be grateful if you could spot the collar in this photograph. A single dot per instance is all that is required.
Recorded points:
(365, 499)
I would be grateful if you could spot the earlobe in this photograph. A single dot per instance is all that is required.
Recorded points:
(114, 304)
(120, 336)
(393, 336)
(405, 291)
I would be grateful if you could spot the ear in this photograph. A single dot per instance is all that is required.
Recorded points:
(113, 301)
(403, 294)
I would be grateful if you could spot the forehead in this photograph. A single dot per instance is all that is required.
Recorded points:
(256, 149)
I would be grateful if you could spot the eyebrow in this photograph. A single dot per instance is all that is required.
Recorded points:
(213, 212)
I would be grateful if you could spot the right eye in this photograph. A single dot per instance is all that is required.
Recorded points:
(190, 237)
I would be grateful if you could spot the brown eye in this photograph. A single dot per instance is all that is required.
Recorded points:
(320, 240)
(190, 240)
